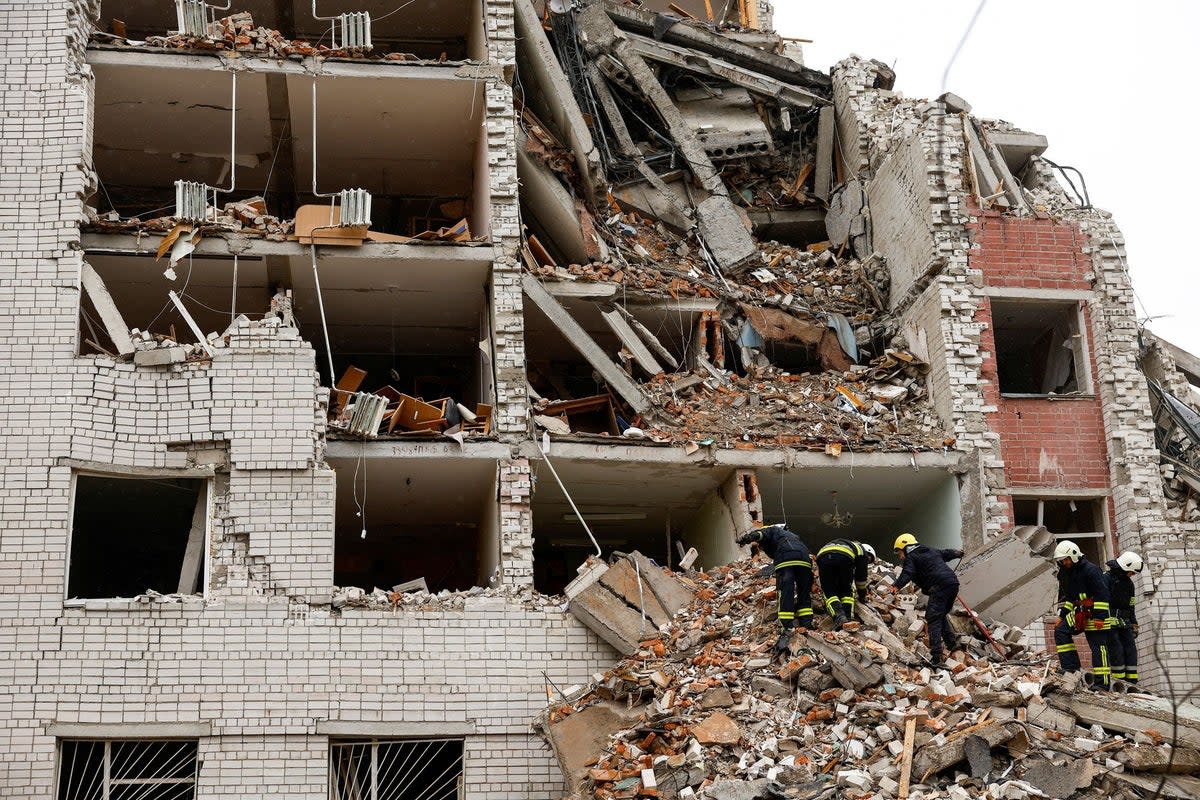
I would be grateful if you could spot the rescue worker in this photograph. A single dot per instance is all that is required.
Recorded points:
(1122, 599)
(1083, 608)
(927, 568)
(793, 576)
(840, 563)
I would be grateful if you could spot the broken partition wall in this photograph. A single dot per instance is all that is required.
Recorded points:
(403, 519)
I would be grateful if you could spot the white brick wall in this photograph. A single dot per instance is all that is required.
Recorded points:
(264, 660)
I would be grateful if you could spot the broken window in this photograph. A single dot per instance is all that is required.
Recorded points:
(396, 769)
(1078, 519)
(1039, 347)
(434, 522)
(130, 535)
(127, 769)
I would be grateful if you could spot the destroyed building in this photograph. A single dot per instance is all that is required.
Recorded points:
(337, 343)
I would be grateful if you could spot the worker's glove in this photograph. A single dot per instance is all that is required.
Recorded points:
(1096, 624)
(746, 538)
(1134, 627)
(783, 644)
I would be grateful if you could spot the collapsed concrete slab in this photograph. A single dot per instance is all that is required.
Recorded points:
(1011, 580)
(577, 738)
(625, 603)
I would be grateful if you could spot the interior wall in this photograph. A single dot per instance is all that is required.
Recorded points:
(476, 34)
(489, 536)
(480, 214)
(711, 532)
(935, 519)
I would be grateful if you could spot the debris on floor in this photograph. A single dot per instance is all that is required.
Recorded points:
(390, 412)
(702, 709)
(239, 34)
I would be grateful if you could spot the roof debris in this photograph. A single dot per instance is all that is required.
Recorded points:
(702, 710)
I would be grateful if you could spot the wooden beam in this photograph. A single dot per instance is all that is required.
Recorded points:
(988, 182)
(578, 338)
(631, 341)
(114, 323)
(193, 555)
(910, 732)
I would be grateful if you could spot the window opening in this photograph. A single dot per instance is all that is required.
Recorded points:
(408, 769)
(1038, 347)
(1080, 520)
(129, 535)
(127, 769)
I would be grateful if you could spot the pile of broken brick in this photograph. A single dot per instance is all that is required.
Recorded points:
(702, 709)
(248, 217)
(237, 33)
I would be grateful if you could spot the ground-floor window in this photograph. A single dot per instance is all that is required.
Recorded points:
(396, 769)
(127, 769)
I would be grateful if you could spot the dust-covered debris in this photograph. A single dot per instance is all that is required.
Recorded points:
(717, 716)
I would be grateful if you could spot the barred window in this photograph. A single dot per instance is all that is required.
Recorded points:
(396, 769)
(127, 769)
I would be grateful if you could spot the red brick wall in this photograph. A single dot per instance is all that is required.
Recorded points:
(1046, 442)
(1029, 253)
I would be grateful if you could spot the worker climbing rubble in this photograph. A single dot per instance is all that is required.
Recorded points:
(701, 710)
(1083, 608)
(793, 576)
(841, 567)
(927, 568)
(1123, 657)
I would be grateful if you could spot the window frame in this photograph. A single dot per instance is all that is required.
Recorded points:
(100, 470)
(1072, 302)
(1097, 497)
(108, 782)
(374, 742)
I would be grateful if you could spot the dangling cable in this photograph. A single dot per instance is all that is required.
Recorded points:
(312, 249)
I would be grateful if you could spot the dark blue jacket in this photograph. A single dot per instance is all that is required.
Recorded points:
(1080, 582)
(852, 550)
(781, 545)
(927, 568)
(1121, 592)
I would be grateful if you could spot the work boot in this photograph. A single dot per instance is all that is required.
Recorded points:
(783, 644)
(839, 619)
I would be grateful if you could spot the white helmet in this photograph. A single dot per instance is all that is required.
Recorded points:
(1130, 561)
(1068, 549)
(870, 551)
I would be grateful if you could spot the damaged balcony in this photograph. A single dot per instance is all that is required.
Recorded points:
(426, 173)
(664, 501)
(421, 30)
(432, 523)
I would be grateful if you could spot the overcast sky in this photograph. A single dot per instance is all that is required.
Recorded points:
(1112, 85)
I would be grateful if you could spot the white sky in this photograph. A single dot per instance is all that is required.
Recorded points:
(1112, 85)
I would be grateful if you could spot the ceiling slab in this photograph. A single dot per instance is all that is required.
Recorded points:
(391, 137)
(153, 127)
(413, 491)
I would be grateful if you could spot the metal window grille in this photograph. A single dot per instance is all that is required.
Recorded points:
(127, 769)
(396, 769)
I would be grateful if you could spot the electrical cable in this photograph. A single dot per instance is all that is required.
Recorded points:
(961, 42)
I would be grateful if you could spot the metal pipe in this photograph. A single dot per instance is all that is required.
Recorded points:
(566, 494)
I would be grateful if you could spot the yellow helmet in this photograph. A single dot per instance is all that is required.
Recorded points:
(903, 541)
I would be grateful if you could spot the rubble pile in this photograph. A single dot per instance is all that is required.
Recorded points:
(1180, 495)
(869, 408)
(444, 600)
(238, 33)
(702, 709)
(248, 217)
